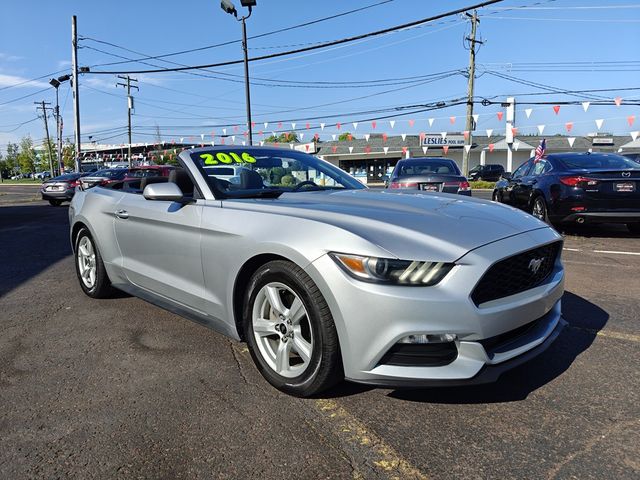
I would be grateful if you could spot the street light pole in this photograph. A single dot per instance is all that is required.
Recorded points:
(228, 7)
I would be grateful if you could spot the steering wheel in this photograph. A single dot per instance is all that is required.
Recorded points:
(304, 184)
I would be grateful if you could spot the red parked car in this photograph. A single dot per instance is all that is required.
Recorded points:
(149, 171)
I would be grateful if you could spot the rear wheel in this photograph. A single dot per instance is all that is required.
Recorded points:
(55, 203)
(539, 209)
(90, 268)
(634, 227)
(495, 197)
(290, 331)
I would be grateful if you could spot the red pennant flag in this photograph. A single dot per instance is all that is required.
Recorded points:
(491, 147)
(235, 128)
(556, 108)
(338, 125)
(307, 125)
(253, 125)
(334, 149)
(279, 124)
(445, 149)
(466, 134)
(316, 136)
(373, 124)
(411, 122)
(222, 140)
(452, 120)
(153, 157)
(384, 137)
(618, 101)
(246, 133)
(631, 119)
(514, 131)
(349, 137)
(202, 145)
(404, 150)
(367, 149)
(307, 147)
(568, 126)
(500, 114)
(422, 135)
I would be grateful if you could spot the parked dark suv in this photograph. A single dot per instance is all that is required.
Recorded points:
(489, 173)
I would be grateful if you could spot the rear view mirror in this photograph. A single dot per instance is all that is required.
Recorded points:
(506, 175)
(168, 192)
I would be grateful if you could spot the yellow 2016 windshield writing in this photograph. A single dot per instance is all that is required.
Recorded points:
(226, 158)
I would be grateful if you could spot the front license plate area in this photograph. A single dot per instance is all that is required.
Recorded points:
(430, 187)
(624, 187)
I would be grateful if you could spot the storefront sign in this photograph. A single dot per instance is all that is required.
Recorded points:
(603, 141)
(436, 141)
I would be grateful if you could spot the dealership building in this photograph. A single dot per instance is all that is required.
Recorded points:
(372, 157)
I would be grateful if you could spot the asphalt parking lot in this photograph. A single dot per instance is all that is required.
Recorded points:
(119, 388)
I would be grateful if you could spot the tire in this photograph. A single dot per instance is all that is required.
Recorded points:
(495, 197)
(90, 270)
(539, 209)
(55, 203)
(634, 228)
(298, 354)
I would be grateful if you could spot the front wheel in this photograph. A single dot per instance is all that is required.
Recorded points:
(539, 209)
(290, 331)
(495, 197)
(90, 268)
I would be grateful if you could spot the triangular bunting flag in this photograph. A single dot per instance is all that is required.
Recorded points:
(404, 136)
(489, 132)
(291, 146)
(367, 149)
(452, 120)
(411, 122)
(571, 140)
(514, 131)
(373, 124)
(355, 125)
(467, 148)
(568, 126)
(599, 123)
(444, 135)
(322, 126)
(350, 149)
(631, 119)
(445, 149)
(424, 149)
(540, 129)
(516, 146)
(392, 123)
(585, 106)
(475, 117)
(386, 149)
(293, 126)
(556, 108)
(301, 136)
(634, 135)
(333, 137)
(334, 149)
(338, 125)
(618, 101)
(233, 138)
(266, 124)
(202, 136)
(366, 137)
(491, 147)
(384, 137)
(465, 134)
(527, 112)
(500, 115)
(431, 122)
(307, 126)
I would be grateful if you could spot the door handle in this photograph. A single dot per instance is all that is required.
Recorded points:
(121, 214)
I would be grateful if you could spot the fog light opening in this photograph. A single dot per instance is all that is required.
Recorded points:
(423, 338)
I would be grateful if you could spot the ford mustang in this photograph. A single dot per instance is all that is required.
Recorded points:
(323, 278)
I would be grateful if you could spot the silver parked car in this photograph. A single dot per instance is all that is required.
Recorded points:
(323, 278)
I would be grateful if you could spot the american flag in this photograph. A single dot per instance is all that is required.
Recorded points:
(540, 149)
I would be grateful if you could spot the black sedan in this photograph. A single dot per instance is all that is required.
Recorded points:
(488, 173)
(576, 187)
(431, 174)
(60, 189)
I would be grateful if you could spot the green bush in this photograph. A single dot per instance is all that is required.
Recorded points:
(287, 180)
(483, 185)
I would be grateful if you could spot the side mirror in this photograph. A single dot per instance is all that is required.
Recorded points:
(168, 192)
(506, 175)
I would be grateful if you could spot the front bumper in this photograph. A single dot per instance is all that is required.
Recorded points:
(602, 217)
(371, 319)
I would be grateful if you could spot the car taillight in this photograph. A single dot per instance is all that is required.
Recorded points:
(462, 186)
(578, 181)
(74, 183)
(403, 185)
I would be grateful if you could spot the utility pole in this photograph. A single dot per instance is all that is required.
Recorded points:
(246, 76)
(44, 106)
(76, 100)
(472, 76)
(128, 86)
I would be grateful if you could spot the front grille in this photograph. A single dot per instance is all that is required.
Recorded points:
(420, 355)
(516, 274)
(502, 341)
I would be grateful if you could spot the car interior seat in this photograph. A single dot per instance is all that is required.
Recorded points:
(181, 178)
(250, 180)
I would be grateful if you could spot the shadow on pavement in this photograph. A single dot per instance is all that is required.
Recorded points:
(585, 320)
(33, 237)
(604, 230)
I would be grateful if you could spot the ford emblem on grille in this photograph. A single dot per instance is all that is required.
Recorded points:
(626, 174)
(534, 264)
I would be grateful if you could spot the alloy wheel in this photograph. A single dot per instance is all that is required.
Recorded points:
(86, 258)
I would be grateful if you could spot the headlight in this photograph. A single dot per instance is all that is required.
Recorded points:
(389, 270)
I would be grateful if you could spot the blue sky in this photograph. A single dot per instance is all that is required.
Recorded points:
(534, 40)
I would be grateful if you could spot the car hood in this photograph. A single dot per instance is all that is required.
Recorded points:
(418, 226)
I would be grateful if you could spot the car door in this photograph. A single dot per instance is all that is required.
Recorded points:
(160, 246)
(530, 182)
(519, 187)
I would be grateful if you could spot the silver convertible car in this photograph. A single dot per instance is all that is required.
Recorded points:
(324, 278)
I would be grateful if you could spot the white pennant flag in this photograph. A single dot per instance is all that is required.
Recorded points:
(386, 149)
(366, 137)
(392, 123)
(424, 149)
(333, 137)
(213, 144)
(233, 138)
(528, 111)
(404, 136)
(350, 149)
(571, 140)
(634, 135)
(620, 150)
(243, 143)
(266, 124)
(202, 136)
(355, 125)
(224, 131)
(540, 129)
(261, 143)
(489, 132)
(291, 146)
(293, 126)
(585, 106)
(516, 145)
(476, 117)
(181, 139)
(599, 123)
(590, 150)
(273, 133)
(301, 136)
(444, 135)
(467, 148)
(431, 122)
(322, 126)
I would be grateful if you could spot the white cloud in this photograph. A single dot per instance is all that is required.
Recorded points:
(5, 57)
(14, 80)
(64, 63)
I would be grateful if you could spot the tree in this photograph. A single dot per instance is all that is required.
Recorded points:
(345, 136)
(43, 158)
(11, 158)
(69, 155)
(287, 137)
(27, 155)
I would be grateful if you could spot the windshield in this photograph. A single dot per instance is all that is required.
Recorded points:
(145, 172)
(430, 167)
(612, 162)
(66, 176)
(247, 172)
(112, 173)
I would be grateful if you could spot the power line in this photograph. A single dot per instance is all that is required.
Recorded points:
(315, 47)
(25, 96)
(33, 79)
